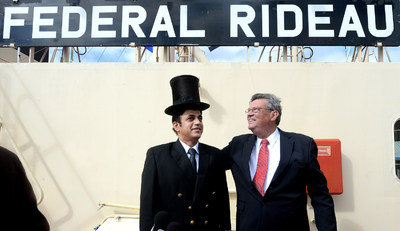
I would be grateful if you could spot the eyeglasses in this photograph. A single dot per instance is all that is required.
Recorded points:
(256, 109)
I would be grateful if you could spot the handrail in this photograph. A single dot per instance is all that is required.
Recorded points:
(24, 163)
(119, 216)
(105, 204)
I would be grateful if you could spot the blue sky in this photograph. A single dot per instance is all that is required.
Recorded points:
(231, 54)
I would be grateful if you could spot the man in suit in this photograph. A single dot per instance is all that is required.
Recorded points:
(185, 178)
(273, 172)
(18, 207)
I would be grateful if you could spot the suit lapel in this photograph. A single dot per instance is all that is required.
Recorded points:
(204, 162)
(179, 154)
(286, 153)
(245, 157)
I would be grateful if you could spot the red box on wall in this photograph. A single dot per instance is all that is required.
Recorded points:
(330, 160)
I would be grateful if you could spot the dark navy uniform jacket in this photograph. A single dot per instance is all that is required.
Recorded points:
(170, 184)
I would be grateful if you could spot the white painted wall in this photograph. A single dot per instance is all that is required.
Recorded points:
(84, 128)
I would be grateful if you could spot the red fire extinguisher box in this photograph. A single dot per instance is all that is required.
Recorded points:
(330, 160)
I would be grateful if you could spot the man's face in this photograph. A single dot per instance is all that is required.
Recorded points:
(191, 126)
(260, 119)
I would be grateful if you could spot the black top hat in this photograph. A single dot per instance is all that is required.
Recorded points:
(185, 95)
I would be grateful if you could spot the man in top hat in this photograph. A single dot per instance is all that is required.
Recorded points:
(184, 181)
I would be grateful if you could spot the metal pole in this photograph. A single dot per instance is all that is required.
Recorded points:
(380, 52)
(294, 54)
(284, 54)
(19, 55)
(168, 54)
(137, 56)
(366, 55)
(387, 55)
(65, 55)
(359, 54)
(199, 55)
(31, 54)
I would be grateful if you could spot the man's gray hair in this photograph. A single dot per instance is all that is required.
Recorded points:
(273, 103)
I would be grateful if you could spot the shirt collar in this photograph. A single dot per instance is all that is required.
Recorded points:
(271, 138)
(186, 147)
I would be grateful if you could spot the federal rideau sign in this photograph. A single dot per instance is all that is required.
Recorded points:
(27, 23)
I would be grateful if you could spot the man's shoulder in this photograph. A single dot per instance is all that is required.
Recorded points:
(160, 151)
(9, 162)
(295, 135)
(209, 147)
(242, 137)
(7, 155)
(162, 146)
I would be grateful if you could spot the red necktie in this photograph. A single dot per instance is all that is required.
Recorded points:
(262, 167)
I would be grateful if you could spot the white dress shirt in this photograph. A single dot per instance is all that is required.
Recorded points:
(274, 156)
(195, 147)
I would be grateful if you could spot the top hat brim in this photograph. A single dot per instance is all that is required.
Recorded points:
(180, 108)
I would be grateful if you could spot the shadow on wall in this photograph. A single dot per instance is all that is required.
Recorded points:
(347, 205)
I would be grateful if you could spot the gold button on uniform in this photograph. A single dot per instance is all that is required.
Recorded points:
(180, 195)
